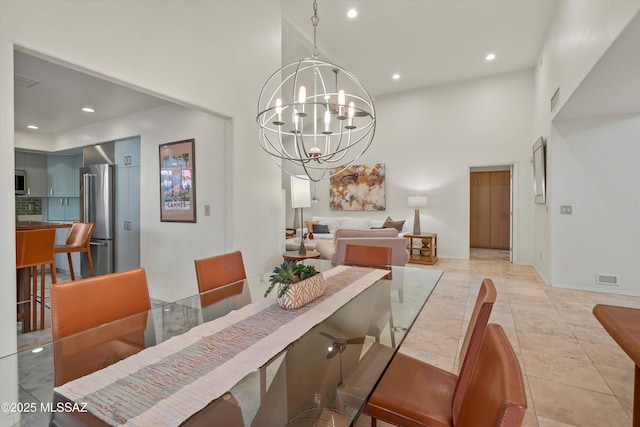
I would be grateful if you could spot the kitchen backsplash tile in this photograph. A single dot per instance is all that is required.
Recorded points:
(28, 205)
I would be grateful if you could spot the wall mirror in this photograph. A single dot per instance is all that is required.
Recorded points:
(539, 170)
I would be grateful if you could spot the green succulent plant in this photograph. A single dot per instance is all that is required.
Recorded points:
(287, 273)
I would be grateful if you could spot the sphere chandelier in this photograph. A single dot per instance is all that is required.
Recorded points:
(315, 117)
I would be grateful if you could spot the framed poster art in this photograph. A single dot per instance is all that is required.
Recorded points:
(178, 181)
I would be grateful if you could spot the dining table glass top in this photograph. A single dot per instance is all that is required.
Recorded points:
(227, 357)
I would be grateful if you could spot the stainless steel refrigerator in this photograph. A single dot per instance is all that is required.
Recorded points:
(97, 203)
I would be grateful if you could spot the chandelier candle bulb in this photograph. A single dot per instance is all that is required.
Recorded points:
(351, 114)
(341, 103)
(295, 120)
(302, 96)
(327, 121)
(278, 121)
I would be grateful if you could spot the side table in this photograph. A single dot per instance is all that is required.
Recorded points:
(295, 256)
(425, 251)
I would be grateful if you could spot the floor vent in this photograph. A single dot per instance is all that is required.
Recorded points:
(608, 279)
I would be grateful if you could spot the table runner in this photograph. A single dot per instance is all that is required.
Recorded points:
(177, 378)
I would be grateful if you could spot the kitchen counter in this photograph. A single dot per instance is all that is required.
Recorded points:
(40, 225)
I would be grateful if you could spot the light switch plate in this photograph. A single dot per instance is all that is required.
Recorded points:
(565, 210)
(207, 210)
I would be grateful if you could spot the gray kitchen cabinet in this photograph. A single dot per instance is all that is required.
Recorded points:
(37, 180)
(63, 209)
(127, 216)
(63, 172)
(35, 165)
(127, 152)
(60, 170)
(19, 159)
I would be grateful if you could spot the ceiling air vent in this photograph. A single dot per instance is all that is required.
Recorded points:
(24, 81)
(555, 99)
(608, 279)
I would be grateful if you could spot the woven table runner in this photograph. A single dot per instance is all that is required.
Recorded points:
(167, 383)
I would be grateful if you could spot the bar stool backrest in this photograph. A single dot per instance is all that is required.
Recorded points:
(34, 247)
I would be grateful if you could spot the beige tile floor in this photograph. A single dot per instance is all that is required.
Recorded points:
(575, 374)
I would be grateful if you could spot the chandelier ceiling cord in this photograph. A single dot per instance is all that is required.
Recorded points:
(307, 127)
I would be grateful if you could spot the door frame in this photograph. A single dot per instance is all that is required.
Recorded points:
(512, 167)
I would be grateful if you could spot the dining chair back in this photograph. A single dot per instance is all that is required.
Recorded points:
(473, 337)
(415, 393)
(367, 256)
(78, 240)
(495, 395)
(217, 271)
(380, 257)
(84, 304)
(102, 319)
(34, 248)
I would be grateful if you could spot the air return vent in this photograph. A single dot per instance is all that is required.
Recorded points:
(24, 81)
(607, 279)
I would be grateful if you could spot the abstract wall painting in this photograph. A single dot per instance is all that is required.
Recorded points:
(358, 188)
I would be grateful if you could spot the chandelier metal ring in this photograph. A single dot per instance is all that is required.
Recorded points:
(308, 127)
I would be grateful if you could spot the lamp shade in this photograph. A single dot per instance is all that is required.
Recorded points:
(417, 201)
(300, 191)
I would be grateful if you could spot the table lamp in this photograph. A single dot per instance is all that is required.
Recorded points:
(417, 202)
(300, 198)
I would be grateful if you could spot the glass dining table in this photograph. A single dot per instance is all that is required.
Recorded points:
(219, 359)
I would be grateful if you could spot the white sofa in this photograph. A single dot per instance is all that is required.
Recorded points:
(344, 230)
(334, 250)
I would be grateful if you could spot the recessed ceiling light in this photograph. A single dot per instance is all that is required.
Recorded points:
(491, 57)
(352, 13)
(396, 76)
(36, 350)
(88, 110)
(34, 127)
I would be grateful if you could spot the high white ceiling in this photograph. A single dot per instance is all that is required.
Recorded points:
(428, 42)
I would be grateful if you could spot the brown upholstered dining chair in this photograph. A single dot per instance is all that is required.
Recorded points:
(34, 248)
(495, 395)
(217, 271)
(379, 257)
(367, 256)
(414, 393)
(78, 240)
(114, 307)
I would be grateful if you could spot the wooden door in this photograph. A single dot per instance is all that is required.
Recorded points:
(480, 209)
(490, 216)
(500, 210)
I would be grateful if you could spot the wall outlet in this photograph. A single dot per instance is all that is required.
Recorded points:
(207, 210)
(565, 210)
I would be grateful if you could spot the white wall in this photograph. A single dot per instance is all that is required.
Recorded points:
(599, 158)
(580, 34)
(167, 250)
(428, 140)
(182, 51)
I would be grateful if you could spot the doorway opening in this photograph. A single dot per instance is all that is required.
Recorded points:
(490, 212)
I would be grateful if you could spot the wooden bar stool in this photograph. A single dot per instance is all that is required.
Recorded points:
(33, 248)
(78, 240)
